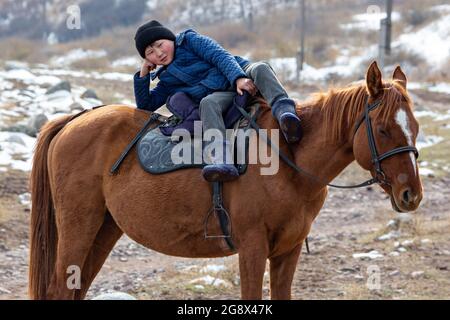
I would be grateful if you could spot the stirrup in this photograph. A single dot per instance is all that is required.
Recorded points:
(223, 216)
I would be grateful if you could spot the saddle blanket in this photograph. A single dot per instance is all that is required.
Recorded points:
(157, 152)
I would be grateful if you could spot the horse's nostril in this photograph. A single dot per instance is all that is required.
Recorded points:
(406, 196)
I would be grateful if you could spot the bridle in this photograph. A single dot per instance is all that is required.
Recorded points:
(380, 176)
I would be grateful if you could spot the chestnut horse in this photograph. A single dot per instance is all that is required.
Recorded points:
(79, 210)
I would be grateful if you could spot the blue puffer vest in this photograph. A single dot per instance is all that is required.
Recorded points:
(200, 67)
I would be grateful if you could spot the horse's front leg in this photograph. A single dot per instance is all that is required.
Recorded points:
(253, 253)
(282, 269)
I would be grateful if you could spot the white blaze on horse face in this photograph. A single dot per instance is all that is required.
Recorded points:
(402, 120)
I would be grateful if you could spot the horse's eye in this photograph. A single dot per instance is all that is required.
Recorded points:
(383, 132)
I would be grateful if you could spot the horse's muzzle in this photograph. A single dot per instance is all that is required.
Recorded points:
(406, 201)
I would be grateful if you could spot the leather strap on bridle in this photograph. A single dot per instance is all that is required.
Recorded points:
(376, 159)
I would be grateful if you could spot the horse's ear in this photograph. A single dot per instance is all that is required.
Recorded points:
(373, 80)
(400, 76)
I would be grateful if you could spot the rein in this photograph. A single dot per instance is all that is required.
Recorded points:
(380, 177)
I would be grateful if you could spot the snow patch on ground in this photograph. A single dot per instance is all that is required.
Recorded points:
(369, 21)
(76, 55)
(426, 172)
(27, 77)
(372, 255)
(130, 61)
(16, 150)
(211, 281)
(213, 268)
(430, 42)
(428, 141)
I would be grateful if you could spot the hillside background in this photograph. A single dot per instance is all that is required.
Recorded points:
(36, 30)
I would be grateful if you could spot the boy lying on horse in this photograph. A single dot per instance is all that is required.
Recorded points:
(198, 66)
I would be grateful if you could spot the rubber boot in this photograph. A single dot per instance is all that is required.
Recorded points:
(284, 111)
(219, 169)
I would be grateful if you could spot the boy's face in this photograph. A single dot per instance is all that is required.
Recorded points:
(160, 52)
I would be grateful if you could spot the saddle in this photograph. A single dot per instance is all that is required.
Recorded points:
(158, 146)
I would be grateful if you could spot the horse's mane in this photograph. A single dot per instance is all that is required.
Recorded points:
(342, 107)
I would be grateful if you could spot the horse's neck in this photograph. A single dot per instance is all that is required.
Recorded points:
(318, 155)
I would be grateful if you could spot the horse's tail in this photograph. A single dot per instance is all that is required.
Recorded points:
(43, 233)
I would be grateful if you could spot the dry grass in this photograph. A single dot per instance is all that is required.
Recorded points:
(180, 284)
(439, 154)
(5, 213)
(98, 64)
(118, 42)
(7, 209)
(22, 50)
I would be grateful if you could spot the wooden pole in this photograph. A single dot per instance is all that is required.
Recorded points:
(385, 34)
(387, 48)
(301, 53)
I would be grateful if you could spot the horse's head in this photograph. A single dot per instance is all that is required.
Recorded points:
(393, 127)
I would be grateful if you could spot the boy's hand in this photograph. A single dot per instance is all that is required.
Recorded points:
(247, 85)
(146, 67)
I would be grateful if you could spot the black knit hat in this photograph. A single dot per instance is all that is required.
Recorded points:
(149, 33)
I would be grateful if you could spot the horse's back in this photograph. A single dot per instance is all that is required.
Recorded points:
(98, 134)
(117, 117)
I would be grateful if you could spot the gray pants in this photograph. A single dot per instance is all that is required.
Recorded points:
(213, 105)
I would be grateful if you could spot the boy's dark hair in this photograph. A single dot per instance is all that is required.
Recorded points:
(149, 33)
